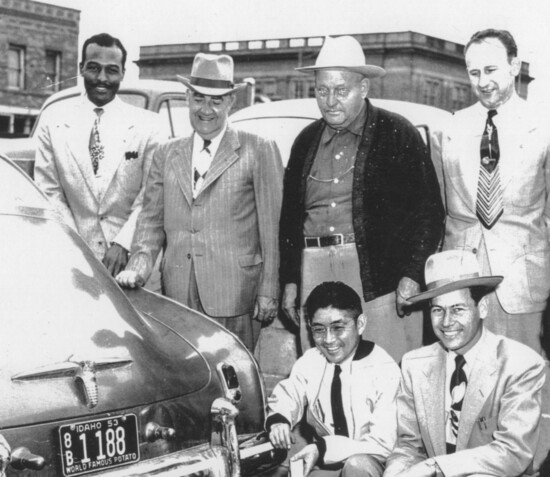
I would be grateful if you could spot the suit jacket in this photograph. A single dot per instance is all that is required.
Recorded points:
(63, 170)
(518, 244)
(227, 234)
(500, 419)
(396, 204)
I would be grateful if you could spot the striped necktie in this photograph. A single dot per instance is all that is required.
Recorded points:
(199, 175)
(489, 204)
(458, 390)
(95, 145)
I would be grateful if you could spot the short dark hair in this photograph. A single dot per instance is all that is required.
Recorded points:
(336, 295)
(477, 293)
(106, 40)
(504, 36)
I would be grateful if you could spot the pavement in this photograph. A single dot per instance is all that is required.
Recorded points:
(276, 352)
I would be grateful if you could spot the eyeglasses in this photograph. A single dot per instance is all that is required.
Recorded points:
(340, 93)
(338, 329)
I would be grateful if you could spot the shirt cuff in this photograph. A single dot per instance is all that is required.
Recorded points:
(275, 419)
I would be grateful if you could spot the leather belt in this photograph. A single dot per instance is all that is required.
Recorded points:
(329, 240)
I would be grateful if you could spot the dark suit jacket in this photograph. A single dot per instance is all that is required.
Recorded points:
(397, 209)
(500, 419)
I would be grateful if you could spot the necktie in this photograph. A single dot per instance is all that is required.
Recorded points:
(96, 147)
(201, 168)
(340, 424)
(458, 390)
(489, 193)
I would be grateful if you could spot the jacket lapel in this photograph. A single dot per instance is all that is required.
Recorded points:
(434, 401)
(225, 156)
(480, 384)
(182, 164)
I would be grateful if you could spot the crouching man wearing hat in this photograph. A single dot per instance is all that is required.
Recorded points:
(213, 201)
(361, 202)
(471, 403)
(345, 385)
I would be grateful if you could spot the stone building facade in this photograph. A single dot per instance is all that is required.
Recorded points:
(419, 68)
(38, 56)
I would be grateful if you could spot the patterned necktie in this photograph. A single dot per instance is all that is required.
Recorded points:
(96, 147)
(489, 205)
(340, 424)
(458, 390)
(198, 176)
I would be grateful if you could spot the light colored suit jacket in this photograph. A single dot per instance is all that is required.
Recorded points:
(63, 169)
(518, 244)
(500, 419)
(228, 234)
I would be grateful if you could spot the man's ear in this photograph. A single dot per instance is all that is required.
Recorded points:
(361, 323)
(516, 66)
(483, 307)
(365, 84)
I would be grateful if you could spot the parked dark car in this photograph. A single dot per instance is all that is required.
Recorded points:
(97, 380)
(168, 98)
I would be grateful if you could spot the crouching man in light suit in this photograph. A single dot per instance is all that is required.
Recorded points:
(213, 202)
(347, 387)
(94, 155)
(471, 403)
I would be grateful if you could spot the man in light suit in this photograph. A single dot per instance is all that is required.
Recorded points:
(98, 194)
(213, 202)
(471, 403)
(500, 146)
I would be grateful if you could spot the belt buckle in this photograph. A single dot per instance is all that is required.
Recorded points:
(341, 237)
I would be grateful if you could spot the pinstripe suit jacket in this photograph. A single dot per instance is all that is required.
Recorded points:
(63, 169)
(228, 232)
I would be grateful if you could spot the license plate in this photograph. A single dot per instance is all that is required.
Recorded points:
(99, 444)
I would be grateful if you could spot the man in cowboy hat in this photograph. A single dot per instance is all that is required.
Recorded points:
(361, 202)
(471, 403)
(213, 202)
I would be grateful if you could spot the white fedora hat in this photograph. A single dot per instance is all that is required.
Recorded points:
(211, 75)
(452, 270)
(346, 53)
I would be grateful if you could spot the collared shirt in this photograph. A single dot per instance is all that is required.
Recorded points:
(202, 159)
(450, 366)
(329, 187)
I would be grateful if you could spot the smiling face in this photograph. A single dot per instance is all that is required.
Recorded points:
(340, 96)
(457, 320)
(492, 74)
(336, 334)
(208, 114)
(102, 72)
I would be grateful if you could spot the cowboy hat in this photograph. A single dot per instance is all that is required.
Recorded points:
(211, 75)
(452, 270)
(345, 53)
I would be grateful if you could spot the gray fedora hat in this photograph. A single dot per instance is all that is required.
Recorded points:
(211, 75)
(452, 270)
(343, 53)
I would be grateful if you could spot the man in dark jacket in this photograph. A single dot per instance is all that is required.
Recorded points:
(361, 202)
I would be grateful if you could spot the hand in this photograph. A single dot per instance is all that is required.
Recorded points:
(265, 309)
(422, 469)
(405, 290)
(310, 455)
(115, 259)
(130, 279)
(290, 296)
(280, 435)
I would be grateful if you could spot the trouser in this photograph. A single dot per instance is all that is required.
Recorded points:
(358, 465)
(341, 263)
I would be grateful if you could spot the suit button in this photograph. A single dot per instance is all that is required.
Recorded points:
(189, 256)
(474, 250)
(100, 242)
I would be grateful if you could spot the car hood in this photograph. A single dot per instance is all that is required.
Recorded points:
(67, 330)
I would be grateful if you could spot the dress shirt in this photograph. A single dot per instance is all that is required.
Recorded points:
(450, 367)
(201, 160)
(329, 185)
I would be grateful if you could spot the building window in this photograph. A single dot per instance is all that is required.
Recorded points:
(432, 92)
(459, 97)
(301, 88)
(16, 67)
(267, 86)
(53, 69)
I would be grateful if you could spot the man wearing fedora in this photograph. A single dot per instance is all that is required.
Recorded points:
(213, 201)
(469, 404)
(361, 202)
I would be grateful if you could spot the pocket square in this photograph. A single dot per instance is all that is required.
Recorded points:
(131, 155)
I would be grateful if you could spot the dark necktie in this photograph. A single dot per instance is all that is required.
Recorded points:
(489, 193)
(458, 390)
(95, 145)
(340, 424)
